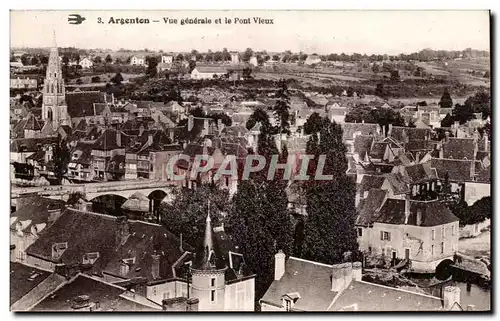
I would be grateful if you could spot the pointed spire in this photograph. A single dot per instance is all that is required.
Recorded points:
(208, 241)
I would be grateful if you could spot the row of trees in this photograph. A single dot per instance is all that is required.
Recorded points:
(479, 103)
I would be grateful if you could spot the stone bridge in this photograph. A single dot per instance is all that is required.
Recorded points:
(93, 190)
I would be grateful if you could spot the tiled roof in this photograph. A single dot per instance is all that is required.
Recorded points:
(369, 206)
(350, 128)
(412, 133)
(108, 140)
(81, 104)
(362, 145)
(398, 183)
(110, 297)
(458, 170)
(87, 232)
(35, 212)
(378, 150)
(30, 144)
(374, 297)
(298, 277)
(86, 153)
(418, 144)
(459, 148)
(419, 173)
(369, 182)
(23, 279)
(433, 213)
(144, 241)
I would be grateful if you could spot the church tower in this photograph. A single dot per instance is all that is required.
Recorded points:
(54, 108)
(208, 273)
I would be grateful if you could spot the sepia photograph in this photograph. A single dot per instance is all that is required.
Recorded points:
(250, 161)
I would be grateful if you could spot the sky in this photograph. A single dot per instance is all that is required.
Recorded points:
(322, 32)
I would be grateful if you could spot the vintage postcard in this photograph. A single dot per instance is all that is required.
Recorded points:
(250, 161)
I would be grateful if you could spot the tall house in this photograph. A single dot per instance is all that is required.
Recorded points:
(54, 108)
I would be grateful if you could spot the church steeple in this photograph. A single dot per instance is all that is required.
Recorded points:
(54, 107)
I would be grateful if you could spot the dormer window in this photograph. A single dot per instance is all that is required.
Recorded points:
(58, 249)
(90, 258)
(125, 265)
(289, 300)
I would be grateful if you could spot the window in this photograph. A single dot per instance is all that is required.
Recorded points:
(154, 290)
(442, 247)
(433, 232)
(442, 232)
(212, 296)
(288, 305)
(432, 249)
(385, 236)
(212, 282)
(453, 230)
(360, 231)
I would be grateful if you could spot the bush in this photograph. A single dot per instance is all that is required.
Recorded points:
(96, 79)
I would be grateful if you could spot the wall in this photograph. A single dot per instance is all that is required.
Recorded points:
(167, 290)
(417, 239)
(240, 296)
(475, 191)
(202, 290)
(264, 307)
(37, 262)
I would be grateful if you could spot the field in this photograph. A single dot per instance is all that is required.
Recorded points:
(476, 246)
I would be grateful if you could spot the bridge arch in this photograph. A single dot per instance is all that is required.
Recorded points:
(108, 204)
(444, 270)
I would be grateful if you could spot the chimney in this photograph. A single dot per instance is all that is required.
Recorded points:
(337, 278)
(112, 99)
(150, 139)
(383, 131)
(190, 122)
(119, 138)
(279, 265)
(356, 271)
(192, 304)
(122, 230)
(155, 266)
(473, 170)
(447, 136)
(171, 134)
(347, 274)
(451, 294)
(407, 208)
(456, 124)
(389, 132)
(419, 217)
(417, 157)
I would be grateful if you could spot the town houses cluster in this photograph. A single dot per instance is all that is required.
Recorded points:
(68, 257)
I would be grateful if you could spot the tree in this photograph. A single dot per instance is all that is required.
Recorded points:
(247, 55)
(97, 60)
(188, 212)
(226, 120)
(486, 74)
(395, 75)
(108, 59)
(463, 113)
(379, 90)
(480, 103)
(179, 57)
(79, 81)
(282, 108)
(446, 101)
(447, 121)
(95, 79)
(117, 79)
(259, 220)
(152, 63)
(329, 230)
(258, 116)
(118, 61)
(61, 158)
(350, 92)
